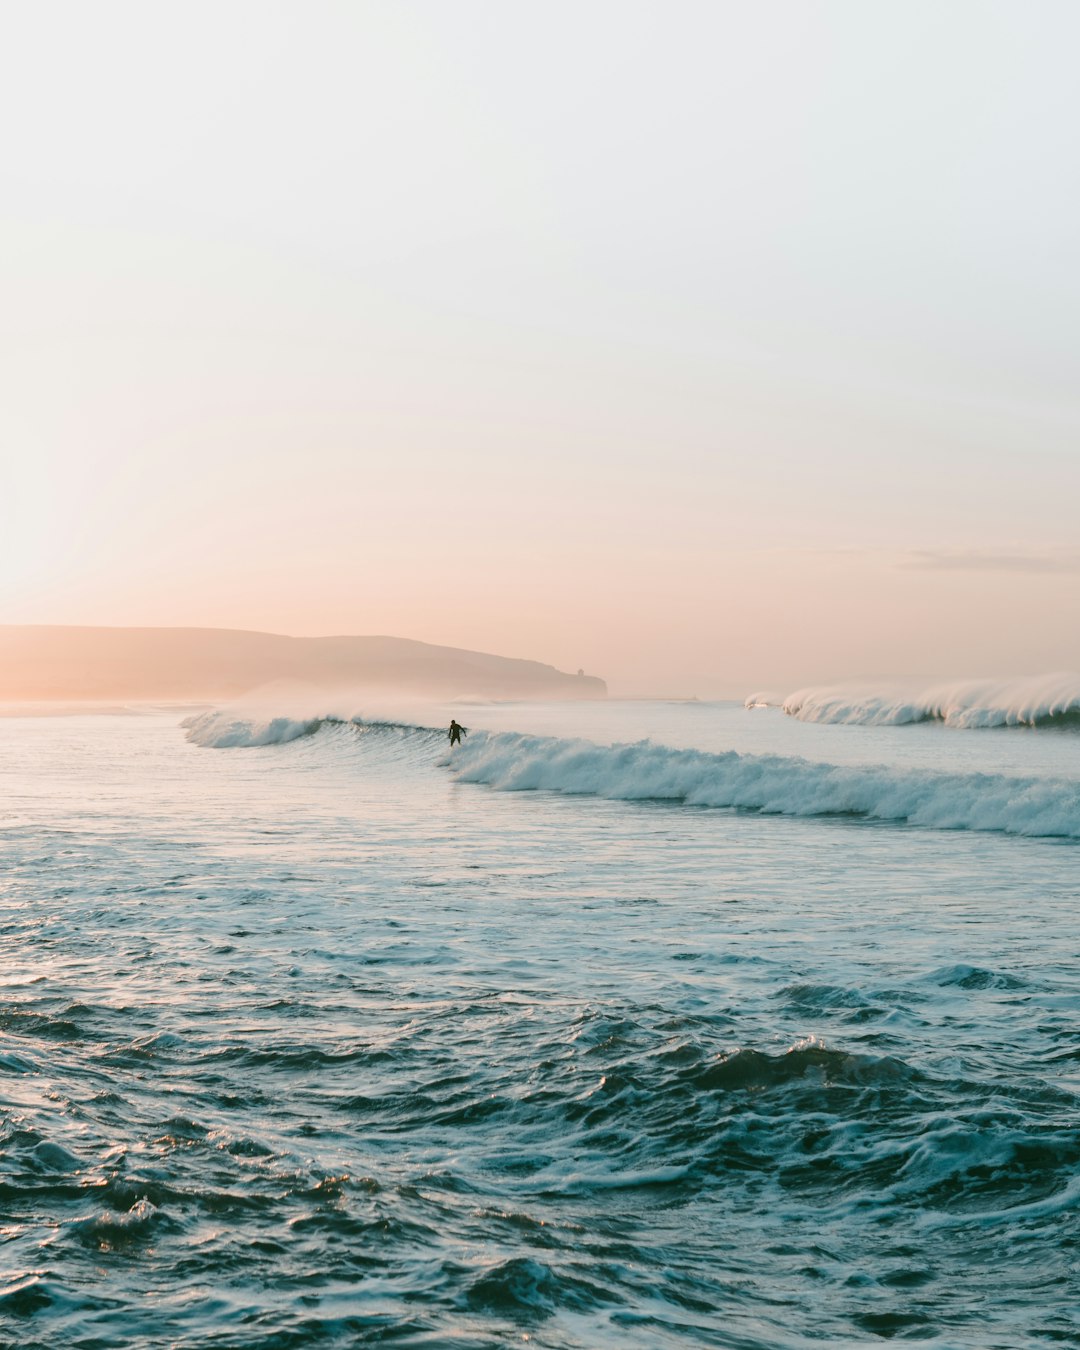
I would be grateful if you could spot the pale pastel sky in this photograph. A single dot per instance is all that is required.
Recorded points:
(708, 346)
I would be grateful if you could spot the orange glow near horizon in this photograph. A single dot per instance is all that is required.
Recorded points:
(609, 383)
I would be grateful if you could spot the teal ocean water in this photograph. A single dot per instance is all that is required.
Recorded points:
(634, 1025)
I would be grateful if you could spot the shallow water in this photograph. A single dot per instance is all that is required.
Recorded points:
(319, 1044)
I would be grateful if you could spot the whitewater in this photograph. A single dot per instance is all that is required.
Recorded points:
(1039, 701)
(635, 1024)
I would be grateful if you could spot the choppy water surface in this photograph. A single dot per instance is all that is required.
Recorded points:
(317, 1043)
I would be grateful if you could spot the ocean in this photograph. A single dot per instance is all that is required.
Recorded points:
(631, 1024)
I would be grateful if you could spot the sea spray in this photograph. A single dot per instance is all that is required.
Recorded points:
(771, 784)
(1034, 701)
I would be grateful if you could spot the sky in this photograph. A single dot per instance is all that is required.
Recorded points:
(707, 346)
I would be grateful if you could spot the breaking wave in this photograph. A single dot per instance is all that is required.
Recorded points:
(1039, 701)
(771, 784)
(222, 729)
(648, 771)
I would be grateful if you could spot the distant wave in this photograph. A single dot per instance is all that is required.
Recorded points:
(770, 784)
(222, 729)
(1037, 701)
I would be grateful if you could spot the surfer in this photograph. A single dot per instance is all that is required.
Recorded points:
(456, 732)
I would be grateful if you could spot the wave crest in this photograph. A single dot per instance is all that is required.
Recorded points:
(646, 771)
(222, 729)
(770, 784)
(1037, 701)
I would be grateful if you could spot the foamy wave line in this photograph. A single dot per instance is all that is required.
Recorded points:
(1044, 700)
(222, 729)
(770, 784)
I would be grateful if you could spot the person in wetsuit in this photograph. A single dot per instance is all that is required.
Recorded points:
(456, 732)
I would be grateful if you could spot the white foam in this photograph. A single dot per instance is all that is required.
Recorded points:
(223, 729)
(773, 784)
(1029, 701)
(229, 729)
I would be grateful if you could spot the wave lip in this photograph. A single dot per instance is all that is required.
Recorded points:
(222, 729)
(1031, 701)
(770, 784)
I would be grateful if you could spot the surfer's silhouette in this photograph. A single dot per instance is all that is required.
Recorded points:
(456, 732)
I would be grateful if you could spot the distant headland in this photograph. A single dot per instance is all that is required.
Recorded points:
(43, 662)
